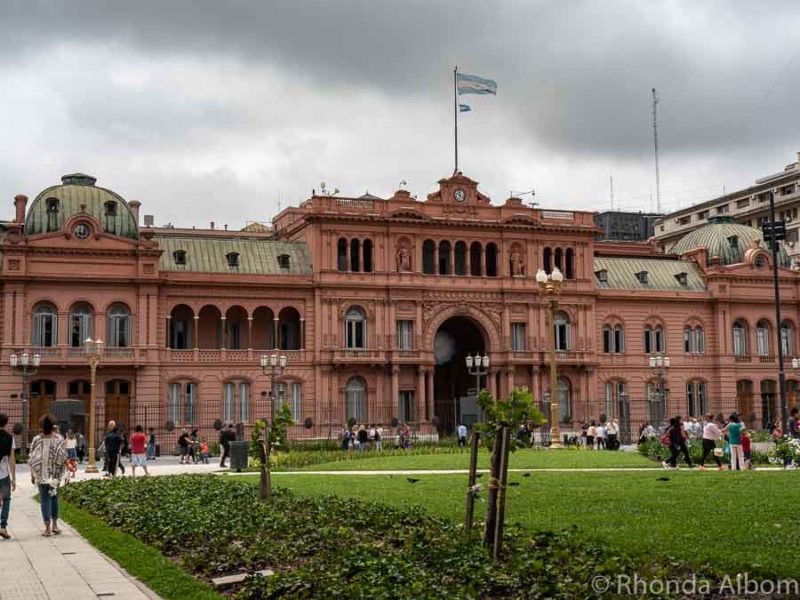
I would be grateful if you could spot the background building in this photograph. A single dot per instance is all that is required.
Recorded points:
(748, 206)
(376, 302)
(625, 226)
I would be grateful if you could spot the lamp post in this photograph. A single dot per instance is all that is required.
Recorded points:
(25, 365)
(477, 367)
(273, 365)
(659, 365)
(94, 352)
(550, 288)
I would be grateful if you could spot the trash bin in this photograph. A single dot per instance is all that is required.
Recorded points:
(239, 453)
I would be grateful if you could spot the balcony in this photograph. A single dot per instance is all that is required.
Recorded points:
(68, 355)
(744, 358)
(766, 360)
(353, 356)
(220, 355)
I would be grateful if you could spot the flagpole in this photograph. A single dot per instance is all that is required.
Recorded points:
(455, 114)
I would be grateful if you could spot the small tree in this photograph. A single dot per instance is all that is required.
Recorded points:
(501, 417)
(276, 436)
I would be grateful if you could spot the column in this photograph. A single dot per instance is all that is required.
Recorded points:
(429, 398)
(510, 378)
(436, 258)
(275, 330)
(196, 340)
(395, 387)
(347, 254)
(483, 261)
(169, 329)
(468, 262)
(249, 333)
(302, 334)
(420, 416)
(492, 381)
(222, 323)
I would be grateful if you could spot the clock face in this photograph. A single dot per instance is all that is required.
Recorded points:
(81, 231)
(460, 195)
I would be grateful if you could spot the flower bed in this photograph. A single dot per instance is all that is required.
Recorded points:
(333, 547)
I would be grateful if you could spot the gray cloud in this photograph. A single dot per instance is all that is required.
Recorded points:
(269, 98)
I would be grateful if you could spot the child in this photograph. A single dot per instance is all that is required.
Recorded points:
(746, 448)
(204, 451)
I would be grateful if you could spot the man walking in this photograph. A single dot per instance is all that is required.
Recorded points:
(612, 431)
(8, 474)
(113, 444)
(462, 434)
(151, 444)
(225, 438)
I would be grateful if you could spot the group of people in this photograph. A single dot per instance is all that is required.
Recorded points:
(361, 437)
(718, 439)
(139, 448)
(193, 448)
(600, 435)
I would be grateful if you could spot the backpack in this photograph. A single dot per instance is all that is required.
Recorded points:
(665, 437)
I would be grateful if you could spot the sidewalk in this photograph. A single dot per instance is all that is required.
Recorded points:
(66, 566)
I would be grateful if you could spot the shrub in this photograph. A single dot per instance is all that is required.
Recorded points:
(328, 547)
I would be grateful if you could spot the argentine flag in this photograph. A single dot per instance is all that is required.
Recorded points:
(471, 84)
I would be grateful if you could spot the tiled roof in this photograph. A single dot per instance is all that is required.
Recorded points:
(621, 273)
(258, 257)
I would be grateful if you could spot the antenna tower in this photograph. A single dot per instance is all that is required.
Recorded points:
(655, 143)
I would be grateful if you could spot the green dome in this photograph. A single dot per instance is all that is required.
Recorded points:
(727, 239)
(79, 194)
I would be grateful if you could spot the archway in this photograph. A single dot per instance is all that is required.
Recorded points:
(452, 383)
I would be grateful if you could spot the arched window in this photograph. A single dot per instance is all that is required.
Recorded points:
(460, 266)
(356, 400)
(179, 256)
(355, 329)
(367, 248)
(562, 331)
(769, 406)
(181, 403)
(476, 259)
(289, 329)
(45, 320)
(284, 262)
(119, 326)
(445, 266)
(564, 400)
(233, 259)
(547, 260)
(569, 269)
(491, 259)
(613, 339)
(740, 338)
(787, 338)
(296, 401)
(181, 327)
(109, 214)
(762, 338)
(559, 259)
(428, 257)
(80, 324)
(616, 398)
(236, 402)
(341, 254)
(52, 214)
(696, 403)
(355, 253)
(654, 341)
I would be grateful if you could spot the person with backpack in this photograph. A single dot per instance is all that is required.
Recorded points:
(225, 438)
(8, 474)
(675, 437)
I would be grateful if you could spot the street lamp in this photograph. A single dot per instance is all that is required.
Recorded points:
(550, 287)
(273, 365)
(25, 365)
(659, 365)
(94, 352)
(477, 367)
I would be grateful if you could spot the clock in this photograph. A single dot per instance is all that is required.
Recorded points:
(81, 231)
(460, 195)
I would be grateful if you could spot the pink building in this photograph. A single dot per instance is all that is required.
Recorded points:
(375, 303)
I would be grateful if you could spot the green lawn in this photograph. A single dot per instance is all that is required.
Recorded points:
(733, 521)
(522, 459)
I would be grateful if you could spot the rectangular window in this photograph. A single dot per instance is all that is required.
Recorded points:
(762, 341)
(607, 340)
(405, 406)
(280, 390)
(786, 341)
(174, 405)
(518, 337)
(296, 403)
(44, 330)
(79, 329)
(405, 335)
(355, 334)
(227, 403)
(699, 340)
(562, 336)
(739, 342)
(190, 400)
(119, 331)
(619, 340)
(648, 341)
(743, 203)
(244, 402)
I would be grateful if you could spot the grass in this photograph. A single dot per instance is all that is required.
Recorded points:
(522, 459)
(735, 522)
(144, 562)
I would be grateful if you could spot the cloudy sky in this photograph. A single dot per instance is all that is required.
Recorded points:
(218, 111)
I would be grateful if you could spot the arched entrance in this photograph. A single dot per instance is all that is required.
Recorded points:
(452, 383)
(42, 393)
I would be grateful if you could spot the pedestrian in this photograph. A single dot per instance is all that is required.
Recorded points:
(345, 438)
(46, 461)
(747, 448)
(8, 474)
(462, 435)
(225, 438)
(792, 426)
(111, 425)
(371, 434)
(600, 436)
(138, 450)
(676, 435)
(711, 434)
(151, 444)
(80, 447)
(591, 432)
(72, 445)
(124, 450)
(379, 438)
(363, 438)
(406, 436)
(612, 431)
(113, 446)
(203, 451)
(194, 446)
(183, 446)
(734, 430)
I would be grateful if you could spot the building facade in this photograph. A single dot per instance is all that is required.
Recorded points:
(376, 303)
(625, 226)
(749, 206)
